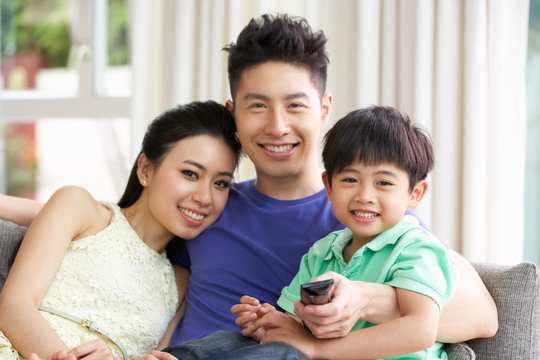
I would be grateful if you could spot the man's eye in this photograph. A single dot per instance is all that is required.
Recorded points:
(296, 106)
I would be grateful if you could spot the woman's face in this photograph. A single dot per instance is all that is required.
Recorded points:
(188, 190)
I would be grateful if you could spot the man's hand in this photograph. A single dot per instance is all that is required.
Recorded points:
(352, 301)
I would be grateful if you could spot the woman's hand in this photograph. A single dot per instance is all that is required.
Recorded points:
(157, 355)
(92, 350)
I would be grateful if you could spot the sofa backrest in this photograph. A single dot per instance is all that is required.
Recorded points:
(516, 292)
(11, 236)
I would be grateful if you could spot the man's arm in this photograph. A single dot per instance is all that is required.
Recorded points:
(471, 312)
(18, 210)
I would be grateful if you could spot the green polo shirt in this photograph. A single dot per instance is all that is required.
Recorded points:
(406, 256)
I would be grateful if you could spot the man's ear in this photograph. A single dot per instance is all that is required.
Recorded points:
(327, 185)
(145, 169)
(418, 193)
(230, 106)
(326, 108)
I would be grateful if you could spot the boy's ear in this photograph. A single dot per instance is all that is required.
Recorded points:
(418, 193)
(144, 169)
(327, 185)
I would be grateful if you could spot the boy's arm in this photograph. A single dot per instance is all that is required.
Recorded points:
(392, 338)
(470, 312)
(18, 210)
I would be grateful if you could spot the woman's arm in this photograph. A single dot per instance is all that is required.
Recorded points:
(182, 280)
(18, 210)
(68, 215)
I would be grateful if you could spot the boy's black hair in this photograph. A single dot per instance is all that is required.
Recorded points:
(278, 38)
(378, 134)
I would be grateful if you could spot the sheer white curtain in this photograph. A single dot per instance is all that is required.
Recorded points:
(455, 66)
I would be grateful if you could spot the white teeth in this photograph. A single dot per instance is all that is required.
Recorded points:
(365, 215)
(281, 148)
(192, 214)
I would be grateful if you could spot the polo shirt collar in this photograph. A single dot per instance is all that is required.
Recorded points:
(389, 237)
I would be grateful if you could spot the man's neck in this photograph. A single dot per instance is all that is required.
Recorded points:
(290, 188)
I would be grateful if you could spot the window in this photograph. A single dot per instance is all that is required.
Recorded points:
(66, 96)
(532, 181)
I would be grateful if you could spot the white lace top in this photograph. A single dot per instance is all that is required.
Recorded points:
(114, 278)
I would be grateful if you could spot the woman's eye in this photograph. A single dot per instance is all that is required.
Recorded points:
(222, 184)
(190, 174)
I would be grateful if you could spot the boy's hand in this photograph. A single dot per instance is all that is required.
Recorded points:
(247, 312)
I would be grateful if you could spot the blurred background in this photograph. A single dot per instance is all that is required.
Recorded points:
(81, 79)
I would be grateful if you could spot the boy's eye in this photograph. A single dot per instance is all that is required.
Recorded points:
(190, 174)
(384, 183)
(348, 180)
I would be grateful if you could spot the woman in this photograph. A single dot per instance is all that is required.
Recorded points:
(91, 270)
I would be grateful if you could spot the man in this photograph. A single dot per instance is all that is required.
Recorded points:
(277, 73)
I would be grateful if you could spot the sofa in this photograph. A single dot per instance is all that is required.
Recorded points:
(515, 289)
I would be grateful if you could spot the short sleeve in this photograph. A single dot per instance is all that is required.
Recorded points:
(291, 293)
(423, 266)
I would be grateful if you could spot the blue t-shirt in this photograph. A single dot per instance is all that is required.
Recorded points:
(254, 248)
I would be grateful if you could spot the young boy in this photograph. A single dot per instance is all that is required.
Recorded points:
(376, 164)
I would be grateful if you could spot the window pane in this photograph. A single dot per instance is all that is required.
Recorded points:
(35, 45)
(112, 52)
(40, 157)
(532, 180)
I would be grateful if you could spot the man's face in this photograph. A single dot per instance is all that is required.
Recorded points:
(279, 116)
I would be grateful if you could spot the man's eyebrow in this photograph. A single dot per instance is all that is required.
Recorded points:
(250, 96)
(296, 95)
(201, 167)
(257, 96)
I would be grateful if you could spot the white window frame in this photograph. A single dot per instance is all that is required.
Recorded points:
(90, 43)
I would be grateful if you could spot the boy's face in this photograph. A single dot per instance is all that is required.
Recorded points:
(371, 199)
(279, 116)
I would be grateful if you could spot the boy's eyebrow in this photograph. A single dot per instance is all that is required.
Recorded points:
(200, 166)
(379, 172)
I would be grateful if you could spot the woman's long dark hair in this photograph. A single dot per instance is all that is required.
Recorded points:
(196, 118)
